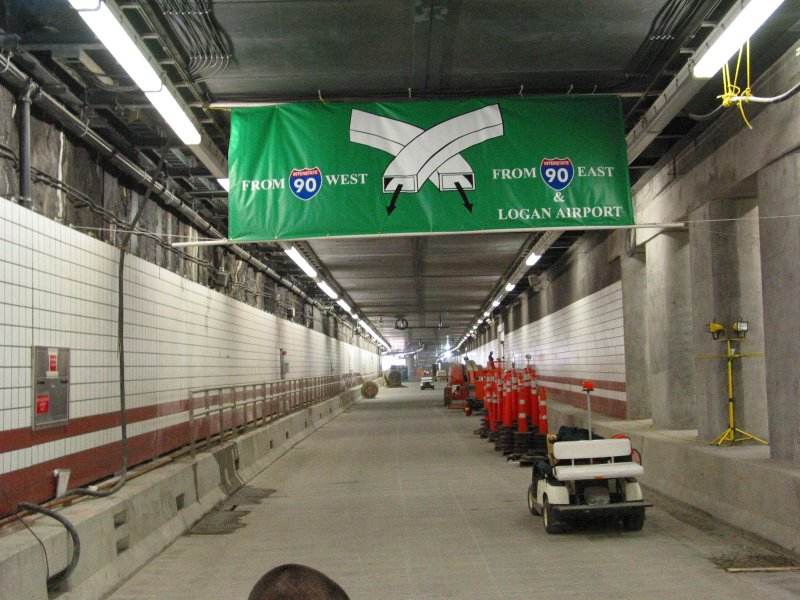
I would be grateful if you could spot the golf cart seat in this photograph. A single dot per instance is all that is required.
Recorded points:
(600, 455)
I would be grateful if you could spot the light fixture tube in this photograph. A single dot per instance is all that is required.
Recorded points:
(301, 261)
(108, 29)
(367, 328)
(532, 259)
(496, 303)
(344, 305)
(174, 116)
(743, 26)
(329, 291)
(112, 34)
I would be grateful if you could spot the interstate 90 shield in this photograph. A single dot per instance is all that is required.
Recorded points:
(305, 183)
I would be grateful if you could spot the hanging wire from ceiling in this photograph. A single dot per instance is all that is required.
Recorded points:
(208, 48)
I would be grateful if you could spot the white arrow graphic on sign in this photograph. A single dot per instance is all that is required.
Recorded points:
(427, 154)
(392, 136)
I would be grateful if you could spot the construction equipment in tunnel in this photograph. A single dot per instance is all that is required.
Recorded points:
(583, 476)
(393, 378)
(369, 389)
(460, 388)
(738, 331)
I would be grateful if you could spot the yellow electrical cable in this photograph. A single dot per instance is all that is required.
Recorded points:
(731, 92)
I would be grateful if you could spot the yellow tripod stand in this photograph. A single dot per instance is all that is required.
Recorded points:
(733, 435)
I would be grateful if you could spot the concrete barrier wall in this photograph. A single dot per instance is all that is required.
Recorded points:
(121, 533)
(58, 288)
(739, 485)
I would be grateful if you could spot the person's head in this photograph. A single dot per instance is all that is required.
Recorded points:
(296, 582)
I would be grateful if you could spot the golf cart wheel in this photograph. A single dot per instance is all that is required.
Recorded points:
(634, 521)
(552, 524)
(532, 499)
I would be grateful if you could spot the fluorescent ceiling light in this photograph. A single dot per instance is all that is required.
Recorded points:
(743, 26)
(510, 287)
(329, 292)
(301, 261)
(225, 183)
(85, 4)
(532, 259)
(496, 303)
(344, 305)
(105, 25)
(113, 35)
(487, 313)
(174, 116)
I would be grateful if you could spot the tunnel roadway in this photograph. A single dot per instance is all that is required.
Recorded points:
(397, 499)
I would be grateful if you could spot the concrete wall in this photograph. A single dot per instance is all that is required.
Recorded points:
(58, 289)
(779, 196)
(737, 258)
(738, 187)
(120, 534)
(669, 328)
(572, 327)
(726, 286)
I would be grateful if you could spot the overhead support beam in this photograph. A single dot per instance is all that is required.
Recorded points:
(266, 102)
(683, 87)
(228, 242)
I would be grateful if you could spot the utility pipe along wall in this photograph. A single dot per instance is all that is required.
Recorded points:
(16, 79)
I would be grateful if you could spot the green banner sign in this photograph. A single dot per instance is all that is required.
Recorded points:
(333, 170)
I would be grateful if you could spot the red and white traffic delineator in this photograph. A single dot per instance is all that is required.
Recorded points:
(523, 399)
(542, 411)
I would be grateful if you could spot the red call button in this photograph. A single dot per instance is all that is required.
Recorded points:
(42, 404)
(52, 362)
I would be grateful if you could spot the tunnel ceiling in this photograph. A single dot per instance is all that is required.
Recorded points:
(380, 47)
(435, 283)
(289, 50)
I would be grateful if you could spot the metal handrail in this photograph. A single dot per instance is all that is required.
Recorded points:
(256, 403)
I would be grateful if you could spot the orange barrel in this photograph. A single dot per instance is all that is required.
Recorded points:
(523, 402)
(542, 411)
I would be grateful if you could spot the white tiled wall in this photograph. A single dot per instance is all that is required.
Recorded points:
(58, 288)
(582, 341)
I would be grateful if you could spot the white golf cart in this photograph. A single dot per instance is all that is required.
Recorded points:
(587, 478)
